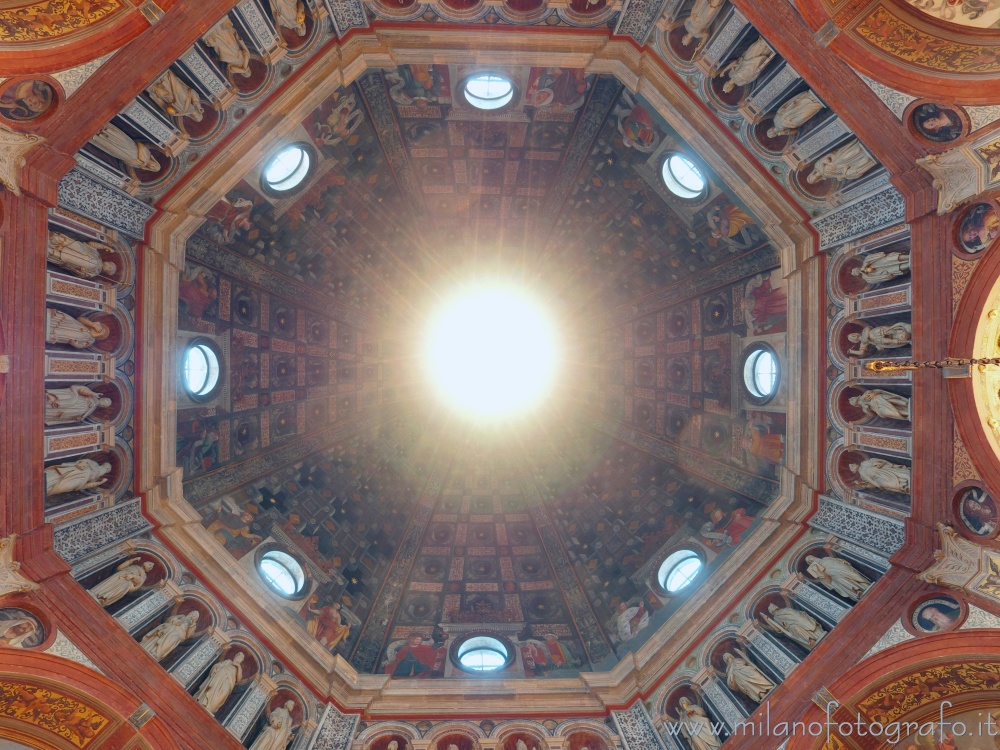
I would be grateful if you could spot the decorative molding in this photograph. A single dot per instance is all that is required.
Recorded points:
(824, 137)
(868, 529)
(195, 661)
(13, 147)
(861, 216)
(602, 100)
(980, 619)
(895, 634)
(335, 731)
(73, 78)
(346, 15)
(64, 647)
(11, 581)
(101, 529)
(636, 729)
(962, 466)
(959, 176)
(638, 18)
(54, 713)
(956, 564)
(821, 602)
(373, 91)
(859, 553)
(141, 610)
(251, 704)
(87, 196)
(776, 656)
(722, 703)
(980, 117)
(771, 89)
(896, 101)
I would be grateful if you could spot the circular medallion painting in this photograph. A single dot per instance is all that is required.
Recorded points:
(26, 100)
(936, 615)
(980, 226)
(19, 628)
(937, 123)
(978, 511)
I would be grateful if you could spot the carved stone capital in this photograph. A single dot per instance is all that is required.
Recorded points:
(959, 176)
(11, 581)
(956, 564)
(13, 147)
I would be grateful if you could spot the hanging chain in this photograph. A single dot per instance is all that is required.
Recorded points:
(887, 365)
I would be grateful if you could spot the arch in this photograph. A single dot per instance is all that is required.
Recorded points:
(925, 67)
(77, 709)
(970, 396)
(466, 735)
(62, 46)
(571, 728)
(377, 736)
(970, 657)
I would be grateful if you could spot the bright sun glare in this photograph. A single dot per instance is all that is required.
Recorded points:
(492, 352)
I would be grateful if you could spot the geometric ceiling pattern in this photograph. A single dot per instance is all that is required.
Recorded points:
(415, 528)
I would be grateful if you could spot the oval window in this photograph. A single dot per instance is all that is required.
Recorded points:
(482, 653)
(679, 570)
(488, 91)
(761, 373)
(282, 573)
(201, 370)
(287, 169)
(683, 178)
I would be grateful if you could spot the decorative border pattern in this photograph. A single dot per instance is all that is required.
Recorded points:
(83, 194)
(636, 729)
(104, 528)
(638, 18)
(860, 217)
(336, 730)
(884, 535)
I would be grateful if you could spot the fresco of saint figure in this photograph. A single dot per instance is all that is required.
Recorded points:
(26, 100)
(979, 228)
(936, 615)
(937, 123)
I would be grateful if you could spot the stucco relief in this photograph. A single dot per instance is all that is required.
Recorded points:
(962, 467)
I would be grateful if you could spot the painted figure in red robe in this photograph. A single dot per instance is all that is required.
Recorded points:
(416, 659)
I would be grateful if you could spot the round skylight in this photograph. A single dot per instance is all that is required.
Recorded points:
(201, 369)
(287, 168)
(682, 177)
(281, 572)
(482, 654)
(488, 91)
(761, 372)
(491, 352)
(679, 570)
